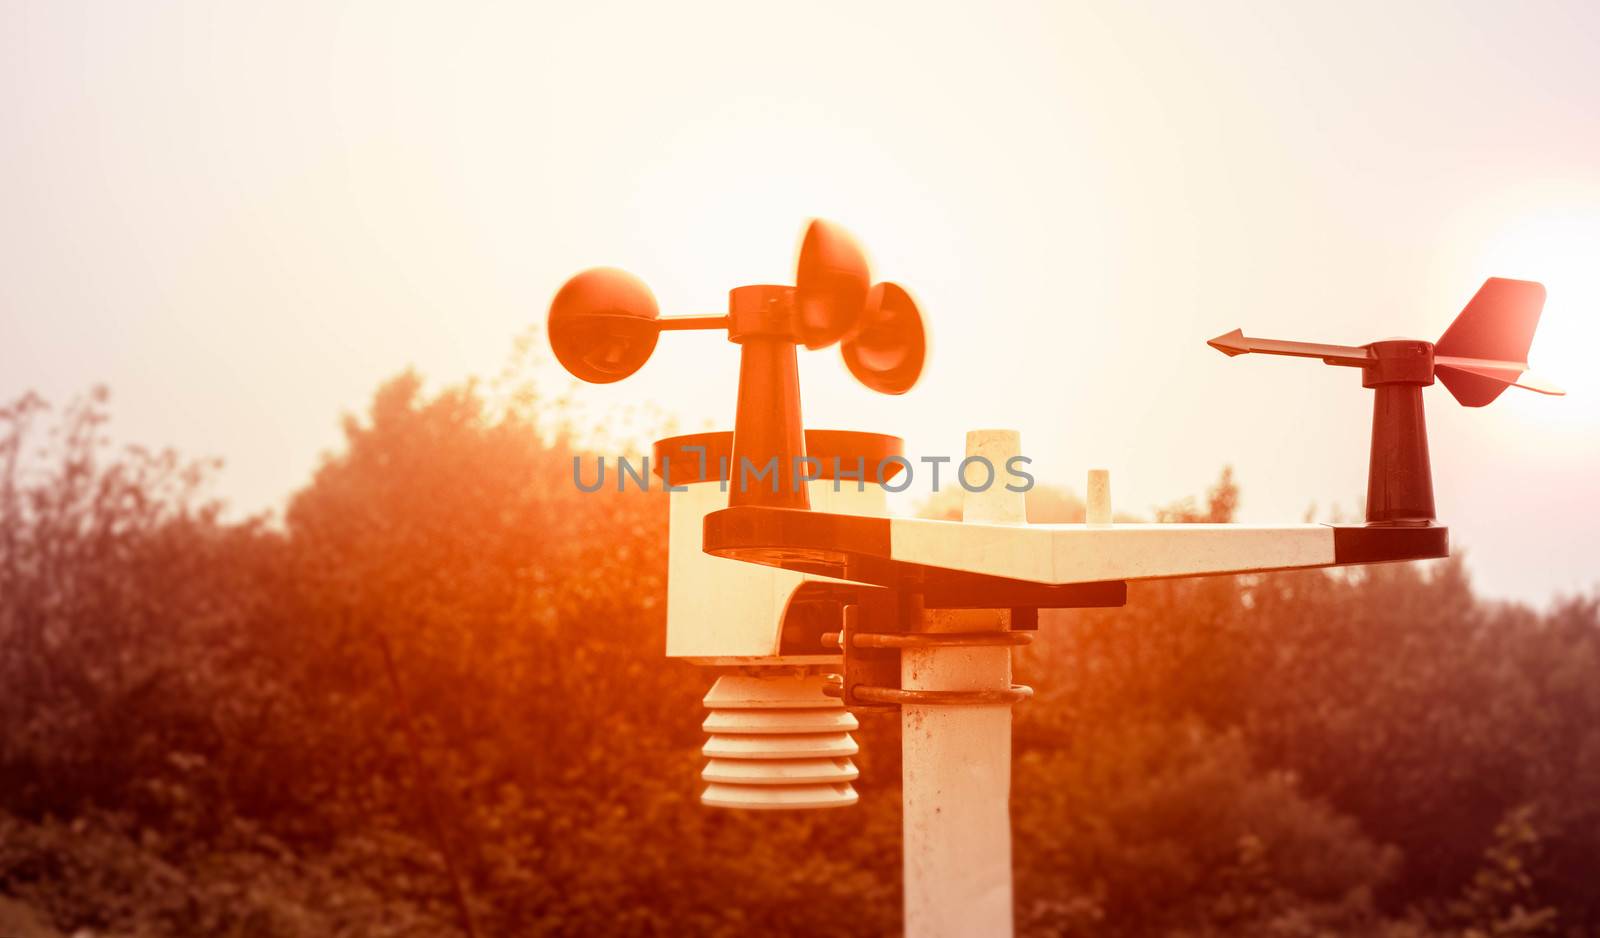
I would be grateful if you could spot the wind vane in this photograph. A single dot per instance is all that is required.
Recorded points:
(1483, 352)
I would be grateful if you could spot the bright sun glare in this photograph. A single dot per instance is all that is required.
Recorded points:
(1563, 253)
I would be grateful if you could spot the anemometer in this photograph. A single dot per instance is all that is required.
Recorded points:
(604, 324)
(814, 605)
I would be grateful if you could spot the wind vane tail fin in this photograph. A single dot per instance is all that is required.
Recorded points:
(1496, 329)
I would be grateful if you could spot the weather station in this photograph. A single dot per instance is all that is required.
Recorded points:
(788, 577)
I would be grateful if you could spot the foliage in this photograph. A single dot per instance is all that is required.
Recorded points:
(1137, 830)
(436, 694)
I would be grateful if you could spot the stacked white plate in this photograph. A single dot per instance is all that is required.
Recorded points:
(777, 742)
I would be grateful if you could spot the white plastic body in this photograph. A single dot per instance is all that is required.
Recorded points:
(1087, 553)
(1097, 504)
(725, 612)
(957, 759)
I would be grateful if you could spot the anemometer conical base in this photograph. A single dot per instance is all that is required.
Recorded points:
(777, 742)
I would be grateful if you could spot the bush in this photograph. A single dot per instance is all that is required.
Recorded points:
(1157, 828)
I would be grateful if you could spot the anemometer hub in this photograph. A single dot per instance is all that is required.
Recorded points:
(1484, 351)
(1398, 361)
(762, 311)
(604, 324)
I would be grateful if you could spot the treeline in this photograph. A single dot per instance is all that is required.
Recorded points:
(433, 699)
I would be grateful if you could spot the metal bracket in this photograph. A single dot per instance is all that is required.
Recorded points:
(881, 614)
(878, 626)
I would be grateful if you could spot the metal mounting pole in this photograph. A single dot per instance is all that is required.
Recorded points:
(957, 759)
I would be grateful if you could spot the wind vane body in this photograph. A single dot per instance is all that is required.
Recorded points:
(1483, 352)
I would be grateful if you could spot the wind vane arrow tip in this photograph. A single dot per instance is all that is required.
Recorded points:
(1231, 344)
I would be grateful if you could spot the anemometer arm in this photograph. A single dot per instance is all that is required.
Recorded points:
(686, 323)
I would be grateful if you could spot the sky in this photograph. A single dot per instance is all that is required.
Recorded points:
(243, 217)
